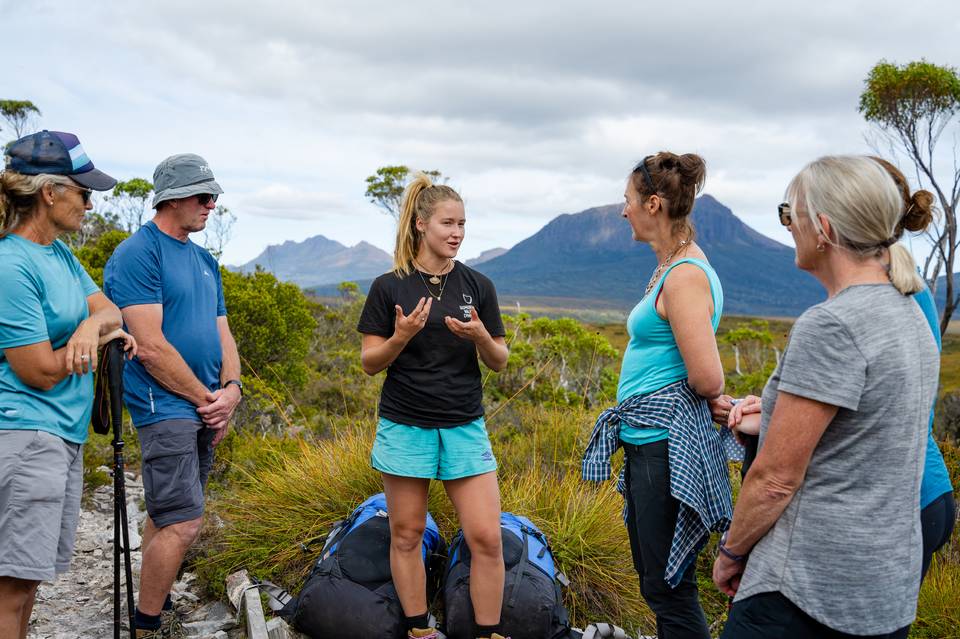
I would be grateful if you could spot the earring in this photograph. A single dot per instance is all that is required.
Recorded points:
(820, 248)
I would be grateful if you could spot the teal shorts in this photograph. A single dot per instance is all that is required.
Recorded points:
(433, 453)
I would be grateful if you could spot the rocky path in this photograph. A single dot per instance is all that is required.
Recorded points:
(80, 602)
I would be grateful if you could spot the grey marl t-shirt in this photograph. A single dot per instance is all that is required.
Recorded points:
(847, 548)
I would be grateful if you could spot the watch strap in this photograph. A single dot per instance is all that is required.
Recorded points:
(236, 382)
(722, 547)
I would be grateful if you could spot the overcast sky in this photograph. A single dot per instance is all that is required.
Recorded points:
(532, 108)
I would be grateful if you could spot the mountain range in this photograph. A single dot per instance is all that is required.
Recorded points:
(586, 261)
(317, 261)
(591, 257)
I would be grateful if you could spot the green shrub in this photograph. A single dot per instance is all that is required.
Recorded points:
(98, 451)
(286, 492)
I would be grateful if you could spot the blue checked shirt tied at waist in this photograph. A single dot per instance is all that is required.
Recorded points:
(698, 454)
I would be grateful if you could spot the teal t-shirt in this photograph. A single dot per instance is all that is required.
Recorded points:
(652, 359)
(936, 478)
(43, 297)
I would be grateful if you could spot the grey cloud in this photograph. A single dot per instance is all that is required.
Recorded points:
(528, 63)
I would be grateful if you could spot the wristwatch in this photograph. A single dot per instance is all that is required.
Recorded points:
(729, 554)
(238, 383)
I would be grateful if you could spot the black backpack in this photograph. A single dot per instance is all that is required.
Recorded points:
(532, 603)
(350, 592)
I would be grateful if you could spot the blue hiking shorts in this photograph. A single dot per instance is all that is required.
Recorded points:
(433, 453)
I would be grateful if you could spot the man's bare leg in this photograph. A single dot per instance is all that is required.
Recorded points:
(162, 557)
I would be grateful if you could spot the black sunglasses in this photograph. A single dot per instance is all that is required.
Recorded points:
(642, 167)
(85, 193)
(783, 210)
(204, 198)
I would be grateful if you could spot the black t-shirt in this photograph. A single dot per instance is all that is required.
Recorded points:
(435, 381)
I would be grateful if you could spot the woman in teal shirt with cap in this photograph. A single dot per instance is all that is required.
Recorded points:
(52, 320)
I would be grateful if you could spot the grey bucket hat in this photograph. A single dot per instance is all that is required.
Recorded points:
(181, 176)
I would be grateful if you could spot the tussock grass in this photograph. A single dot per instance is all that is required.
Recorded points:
(584, 526)
(283, 492)
(276, 493)
(938, 609)
(291, 494)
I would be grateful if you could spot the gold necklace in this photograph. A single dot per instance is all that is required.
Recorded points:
(434, 279)
(441, 282)
(659, 270)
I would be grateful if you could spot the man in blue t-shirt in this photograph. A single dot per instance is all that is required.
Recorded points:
(183, 387)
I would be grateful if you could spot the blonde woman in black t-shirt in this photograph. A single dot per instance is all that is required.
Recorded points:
(425, 323)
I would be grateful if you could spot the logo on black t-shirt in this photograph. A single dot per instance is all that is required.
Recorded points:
(467, 299)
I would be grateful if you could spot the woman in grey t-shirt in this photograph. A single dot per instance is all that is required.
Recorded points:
(825, 540)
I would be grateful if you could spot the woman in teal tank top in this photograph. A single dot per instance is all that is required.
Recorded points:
(672, 342)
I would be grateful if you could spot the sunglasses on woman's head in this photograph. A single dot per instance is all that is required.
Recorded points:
(85, 193)
(642, 168)
(204, 198)
(783, 210)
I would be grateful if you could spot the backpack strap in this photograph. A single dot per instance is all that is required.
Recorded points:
(604, 631)
(277, 597)
(523, 568)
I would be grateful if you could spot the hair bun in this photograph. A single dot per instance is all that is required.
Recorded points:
(919, 213)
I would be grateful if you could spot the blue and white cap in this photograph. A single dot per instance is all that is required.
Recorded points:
(56, 153)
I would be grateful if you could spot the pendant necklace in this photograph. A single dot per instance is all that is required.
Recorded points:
(434, 279)
(660, 267)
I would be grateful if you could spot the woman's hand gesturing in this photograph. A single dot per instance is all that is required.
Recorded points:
(406, 326)
(474, 330)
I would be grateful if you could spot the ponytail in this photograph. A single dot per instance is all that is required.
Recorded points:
(419, 200)
(916, 215)
(903, 270)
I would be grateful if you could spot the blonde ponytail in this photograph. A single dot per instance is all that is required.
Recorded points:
(916, 215)
(903, 270)
(419, 201)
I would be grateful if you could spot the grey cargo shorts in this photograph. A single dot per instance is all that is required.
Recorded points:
(41, 480)
(177, 458)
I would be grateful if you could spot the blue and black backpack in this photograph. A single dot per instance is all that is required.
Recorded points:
(349, 592)
(532, 603)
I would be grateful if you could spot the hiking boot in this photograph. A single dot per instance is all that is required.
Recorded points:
(423, 633)
(144, 633)
(172, 620)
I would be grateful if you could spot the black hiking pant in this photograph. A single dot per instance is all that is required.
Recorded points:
(936, 521)
(651, 519)
(770, 614)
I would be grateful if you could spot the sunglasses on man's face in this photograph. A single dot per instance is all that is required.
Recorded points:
(783, 210)
(85, 193)
(204, 198)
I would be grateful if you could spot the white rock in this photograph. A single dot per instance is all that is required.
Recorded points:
(207, 627)
(277, 628)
